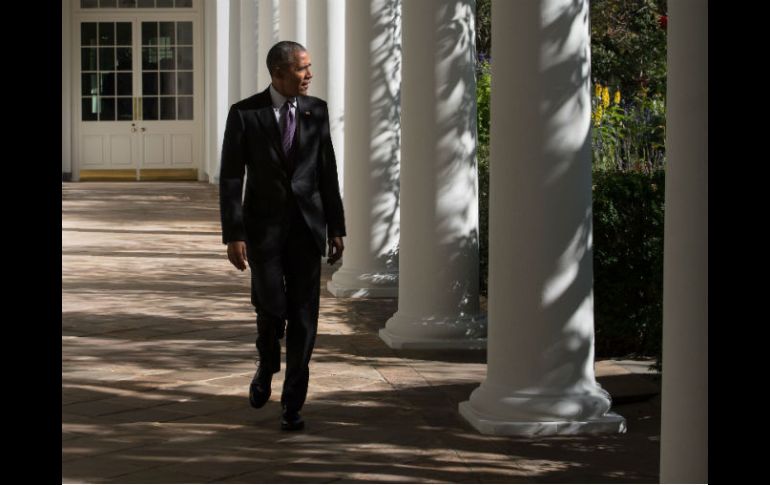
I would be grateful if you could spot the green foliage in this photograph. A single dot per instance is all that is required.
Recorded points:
(628, 262)
(629, 137)
(628, 46)
(483, 83)
(483, 167)
(483, 79)
(628, 56)
(484, 28)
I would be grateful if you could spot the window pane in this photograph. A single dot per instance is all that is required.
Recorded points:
(108, 109)
(125, 109)
(149, 83)
(126, 4)
(185, 108)
(106, 33)
(123, 55)
(89, 84)
(149, 58)
(88, 33)
(184, 57)
(125, 84)
(183, 3)
(107, 3)
(146, 3)
(184, 33)
(166, 57)
(165, 3)
(149, 33)
(149, 108)
(166, 33)
(123, 33)
(89, 3)
(106, 58)
(88, 59)
(167, 83)
(184, 83)
(168, 108)
(107, 83)
(90, 108)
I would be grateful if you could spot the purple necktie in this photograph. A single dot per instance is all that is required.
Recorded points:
(287, 129)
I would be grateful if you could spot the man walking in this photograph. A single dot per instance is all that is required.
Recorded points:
(290, 209)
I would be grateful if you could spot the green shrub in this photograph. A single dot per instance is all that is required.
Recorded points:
(628, 45)
(483, 79)
(627, 135)
(628, 210)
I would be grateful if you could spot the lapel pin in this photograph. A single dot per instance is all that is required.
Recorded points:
(307, 113)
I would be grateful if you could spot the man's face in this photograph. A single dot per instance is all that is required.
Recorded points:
(294, 79)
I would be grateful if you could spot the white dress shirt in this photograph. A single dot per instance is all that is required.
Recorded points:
(278, 101)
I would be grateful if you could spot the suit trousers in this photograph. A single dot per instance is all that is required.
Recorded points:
(285, 292)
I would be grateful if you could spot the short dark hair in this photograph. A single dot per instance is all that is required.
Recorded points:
(280, 54)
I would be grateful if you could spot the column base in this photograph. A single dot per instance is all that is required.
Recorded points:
(353, 283)
(610, 423)
(462, 332)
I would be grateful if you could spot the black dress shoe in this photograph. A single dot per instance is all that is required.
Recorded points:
(291, 420)
(259, 390)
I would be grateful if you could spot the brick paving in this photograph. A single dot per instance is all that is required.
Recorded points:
(158, 351)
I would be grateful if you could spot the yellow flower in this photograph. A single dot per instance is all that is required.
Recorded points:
(598, 115)
(598, 90)
(617, 97)
(605, 97)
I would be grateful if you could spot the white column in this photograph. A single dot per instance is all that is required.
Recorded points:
(66, 88)
(293, 25)
(372, 142)
(540, 358)
(234, 53)
(269, 21)
(210, 82)
(438, 294)
(248, 48)
(318, 46)
(326, 44)
(684, 425)
(218, 91)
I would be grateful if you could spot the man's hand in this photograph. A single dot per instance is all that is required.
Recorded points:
(335, 250)
(236, 253)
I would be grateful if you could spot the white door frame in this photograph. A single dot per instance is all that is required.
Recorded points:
(195, 15)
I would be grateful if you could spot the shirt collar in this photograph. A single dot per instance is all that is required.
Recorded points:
(279, 99)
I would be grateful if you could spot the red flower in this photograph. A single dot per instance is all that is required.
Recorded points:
(663, 21)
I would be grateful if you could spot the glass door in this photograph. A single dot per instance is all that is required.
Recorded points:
(167, 71)
(140, 103)
(170, 96)
(108, 103)
(107, 71)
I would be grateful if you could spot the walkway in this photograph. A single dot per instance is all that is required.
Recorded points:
(158, 351)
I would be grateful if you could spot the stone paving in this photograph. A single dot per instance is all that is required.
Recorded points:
(158, 351)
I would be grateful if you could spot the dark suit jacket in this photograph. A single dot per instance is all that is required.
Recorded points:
(252, 139)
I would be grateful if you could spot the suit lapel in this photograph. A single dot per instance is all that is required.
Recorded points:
(302, 127)
(266, 117)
